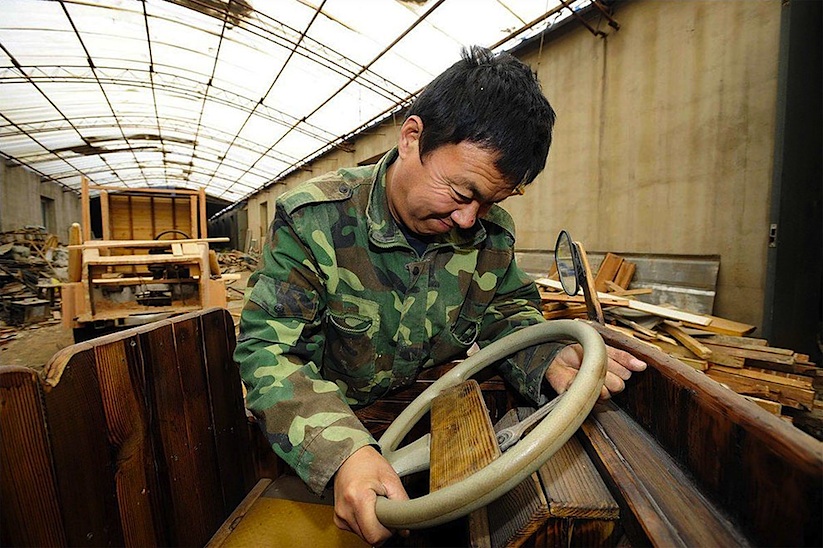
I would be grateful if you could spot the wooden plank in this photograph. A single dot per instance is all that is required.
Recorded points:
(137, 191)
(180, 401)
(127, 427)
(752, 353)
(568, 312)
(85, 206)
(788, 396)
(795, 381)
(231, 439)
(595, 311)
(84, 453)
(721, 357)
(722, 326)
(105, 217)
(517, 515)
(203, 232)
(666, 507)
(608, 270)
(770, 388)
(144, 259)
(699, 365)
(75, 255)
(773, 407)
(650, 334)
(618, 291)
(686, 340)
(573, 486)
(670, 313)
(577, 299)
(222, 534)
(625, 274)
(30, 514)
(463, 439)
(730, 340)
(99, 244)
(193, 216)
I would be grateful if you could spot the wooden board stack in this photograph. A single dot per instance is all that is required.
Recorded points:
(780, 380)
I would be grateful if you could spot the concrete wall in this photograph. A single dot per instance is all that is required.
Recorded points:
(21, 193)
(663, 144)
(664, 140)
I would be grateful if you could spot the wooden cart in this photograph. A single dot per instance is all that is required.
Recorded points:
(140, 438)
(152, 262)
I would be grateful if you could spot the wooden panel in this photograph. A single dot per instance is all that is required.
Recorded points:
(145, 217)
(128, 432)
(82, 450)
(462, 442)
(607, 271)
(30, 514)
(230, 429)
(178, 392)
(731, 446)
(85, 207)
(625, 274)
(517, 515)
(662, 504)
(463, 439)
(573, 486)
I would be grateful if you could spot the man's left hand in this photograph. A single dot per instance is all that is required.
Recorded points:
(621, 365)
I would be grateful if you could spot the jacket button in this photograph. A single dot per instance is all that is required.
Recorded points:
(279, 308)
(343, 189)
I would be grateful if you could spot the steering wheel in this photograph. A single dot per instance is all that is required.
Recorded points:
(173, 231)
(516, 464)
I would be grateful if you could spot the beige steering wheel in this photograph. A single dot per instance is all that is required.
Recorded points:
(516, 464)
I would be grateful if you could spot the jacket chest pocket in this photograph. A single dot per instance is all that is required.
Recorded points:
(350, 351)
(455, 339)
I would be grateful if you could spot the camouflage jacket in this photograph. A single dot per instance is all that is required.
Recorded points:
(343, 311)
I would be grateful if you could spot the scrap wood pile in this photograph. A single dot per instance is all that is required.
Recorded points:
(32, 264)
(236, 261)
(778, 379)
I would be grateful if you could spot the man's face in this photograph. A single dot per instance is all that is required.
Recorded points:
(453, 187)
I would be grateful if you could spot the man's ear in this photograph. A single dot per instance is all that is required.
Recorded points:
(409, 141)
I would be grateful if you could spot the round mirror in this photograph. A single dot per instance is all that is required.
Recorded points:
(564, 260)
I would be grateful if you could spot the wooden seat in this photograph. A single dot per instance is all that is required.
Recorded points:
(283, 513)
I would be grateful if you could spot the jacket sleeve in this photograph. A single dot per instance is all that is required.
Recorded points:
(517, 305)
(280, 348)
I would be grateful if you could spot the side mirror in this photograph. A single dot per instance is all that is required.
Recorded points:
(575, 273)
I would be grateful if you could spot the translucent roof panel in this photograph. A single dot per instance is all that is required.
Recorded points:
(224, 95)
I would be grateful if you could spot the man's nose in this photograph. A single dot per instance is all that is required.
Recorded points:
(466, 215)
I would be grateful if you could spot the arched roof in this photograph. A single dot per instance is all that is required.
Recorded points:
(229, 95)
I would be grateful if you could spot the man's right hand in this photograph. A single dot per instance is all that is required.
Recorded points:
(363, 476)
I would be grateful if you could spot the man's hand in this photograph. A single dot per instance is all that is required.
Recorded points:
(363, 476)
(620, 367)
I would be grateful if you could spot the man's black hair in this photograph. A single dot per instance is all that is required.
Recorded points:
(494, 101)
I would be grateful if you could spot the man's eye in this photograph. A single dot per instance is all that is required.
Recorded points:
(461, 197)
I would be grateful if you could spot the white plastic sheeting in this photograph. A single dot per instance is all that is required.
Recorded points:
(224, 94)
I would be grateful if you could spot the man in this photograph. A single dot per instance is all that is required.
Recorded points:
(373, 273)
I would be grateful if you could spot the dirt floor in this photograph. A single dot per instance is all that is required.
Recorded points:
(35, 344)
